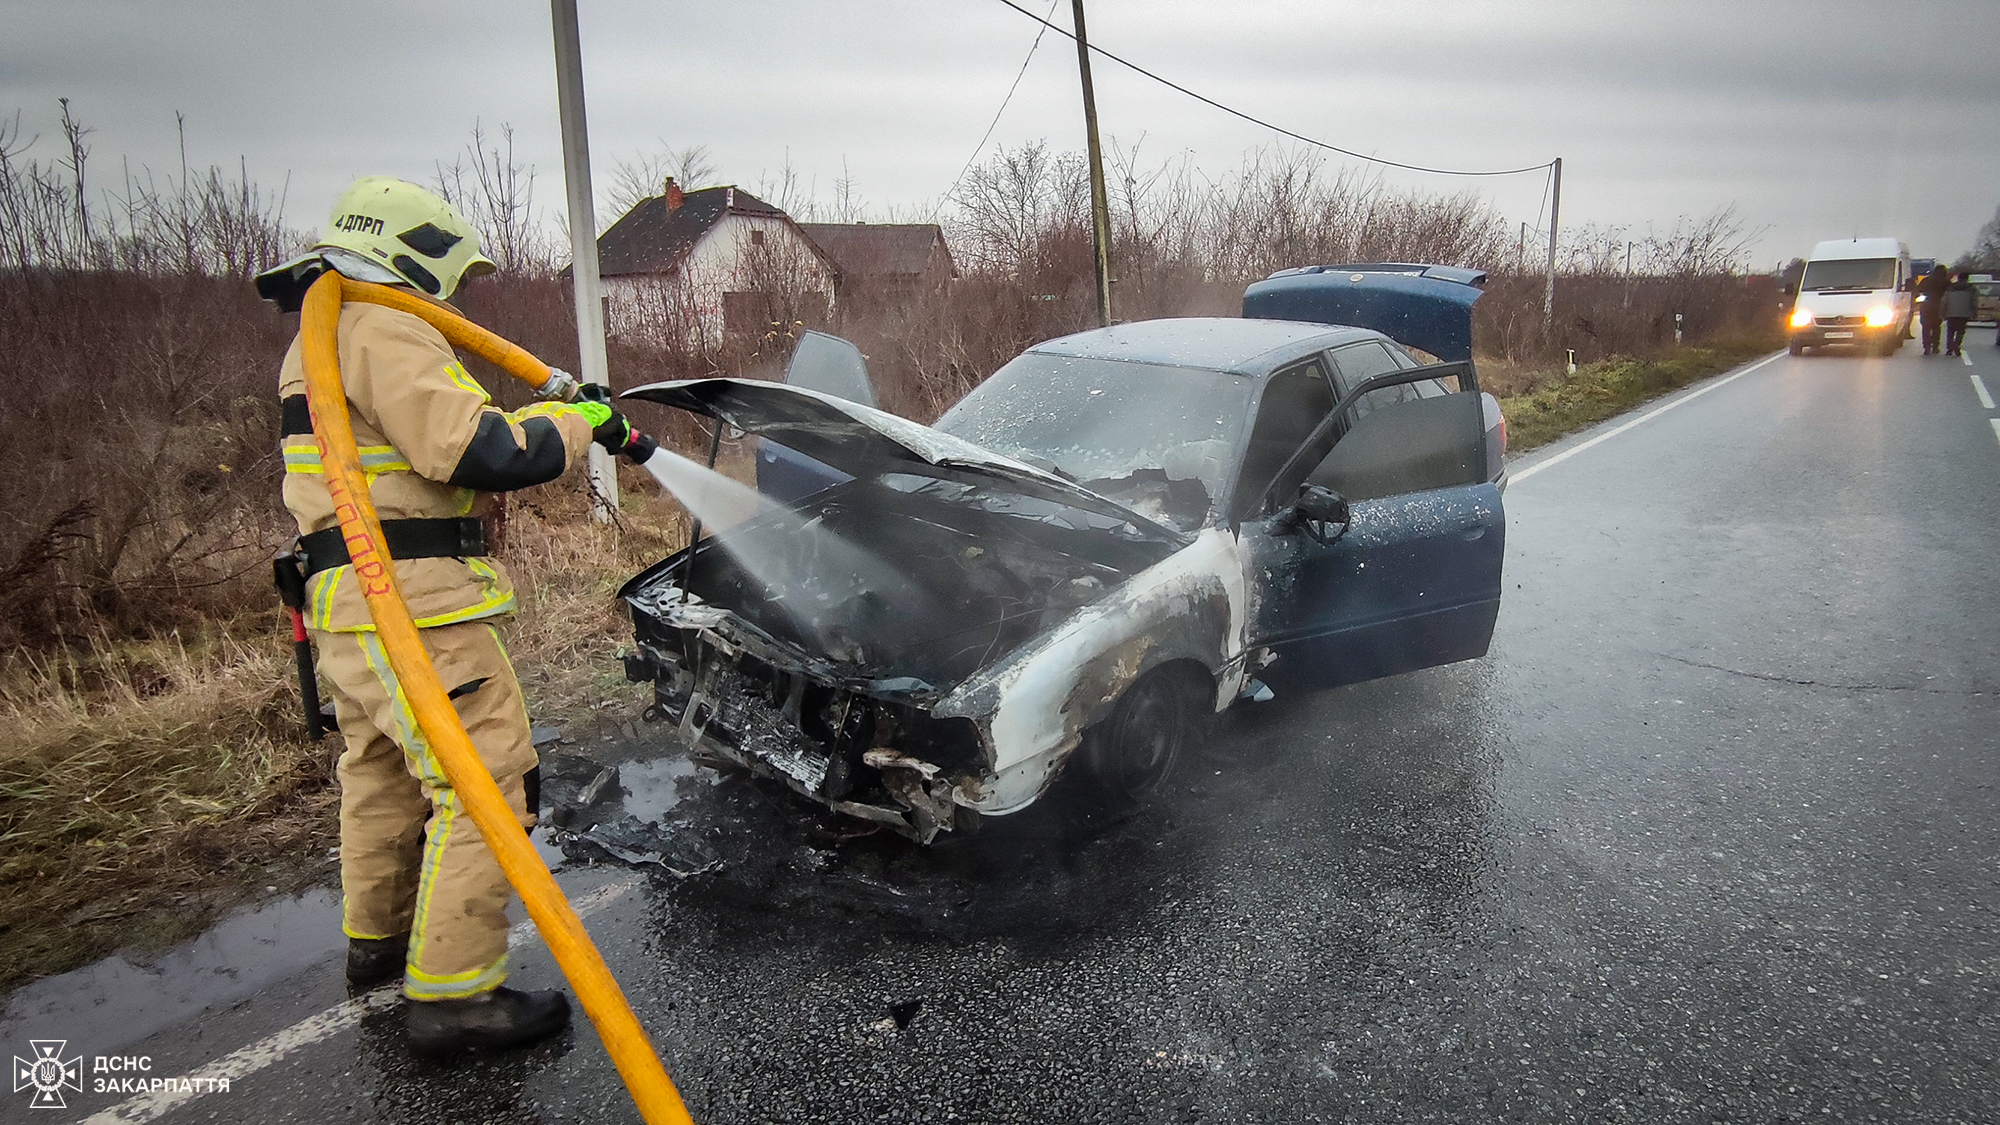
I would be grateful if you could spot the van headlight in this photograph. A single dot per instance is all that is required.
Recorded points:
(1880, 315)
(1801, 318)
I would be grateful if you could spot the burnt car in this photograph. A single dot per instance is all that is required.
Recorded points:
(1118, 533)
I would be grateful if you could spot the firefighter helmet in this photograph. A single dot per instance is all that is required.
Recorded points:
(408, 229)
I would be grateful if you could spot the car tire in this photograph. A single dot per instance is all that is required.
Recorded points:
(1798, 348)
(1131, 753)
(1891, 346)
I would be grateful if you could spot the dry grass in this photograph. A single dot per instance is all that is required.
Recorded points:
(1556, 405)
(145, 786)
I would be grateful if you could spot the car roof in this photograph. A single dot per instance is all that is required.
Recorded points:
(1235, 345)
(1858, 248)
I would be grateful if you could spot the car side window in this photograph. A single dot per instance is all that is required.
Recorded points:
(1357, 363)
(1410, 446)
(1295, 402)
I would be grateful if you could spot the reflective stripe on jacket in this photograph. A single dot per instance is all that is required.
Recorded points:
(432, 445)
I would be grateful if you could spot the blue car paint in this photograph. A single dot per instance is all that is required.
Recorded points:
(1415, 579)
(1414, 582)
(1427, 307)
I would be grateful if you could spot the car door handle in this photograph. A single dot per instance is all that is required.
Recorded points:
(1472, 528)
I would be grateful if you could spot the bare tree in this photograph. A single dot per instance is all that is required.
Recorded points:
(1985, 252)
(643, 176)
(496, 194)
(1006, 204)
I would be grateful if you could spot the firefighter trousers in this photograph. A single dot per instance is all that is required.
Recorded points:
(411, 860)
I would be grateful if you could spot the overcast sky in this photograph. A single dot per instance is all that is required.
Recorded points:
(1816, 119)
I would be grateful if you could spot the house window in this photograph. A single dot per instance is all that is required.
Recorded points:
(756, 238)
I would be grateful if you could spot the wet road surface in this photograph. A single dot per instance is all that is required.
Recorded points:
(1709, 835)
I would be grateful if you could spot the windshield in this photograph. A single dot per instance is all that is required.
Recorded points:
(1850, 273)
(1111, 425)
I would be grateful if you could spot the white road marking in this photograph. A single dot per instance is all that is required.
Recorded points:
(1524, 474)
(240, 1064)
(1979, 388)
(1996, 427)
(1966, 358)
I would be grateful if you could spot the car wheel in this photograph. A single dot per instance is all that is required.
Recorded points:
(1891, 346)
(1133, 751)
(1798, 348)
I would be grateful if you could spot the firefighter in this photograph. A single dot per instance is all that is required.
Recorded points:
(424, 899)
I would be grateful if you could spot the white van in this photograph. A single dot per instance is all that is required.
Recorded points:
(1855, 293)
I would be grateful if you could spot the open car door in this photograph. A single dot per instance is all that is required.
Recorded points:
(829, 365)
(1383, 536)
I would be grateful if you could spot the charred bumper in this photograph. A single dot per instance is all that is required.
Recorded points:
(869, 749)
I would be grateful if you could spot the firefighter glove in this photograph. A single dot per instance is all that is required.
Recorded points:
(611, 430)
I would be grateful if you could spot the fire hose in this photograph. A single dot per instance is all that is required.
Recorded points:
(603, 1001)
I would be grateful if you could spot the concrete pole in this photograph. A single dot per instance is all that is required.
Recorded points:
(583, 242)
(1100, 206)
(1555, 212)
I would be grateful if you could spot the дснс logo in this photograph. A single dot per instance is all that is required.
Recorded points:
(48, 1073)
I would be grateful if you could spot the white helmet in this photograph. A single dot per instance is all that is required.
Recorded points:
(417, 235)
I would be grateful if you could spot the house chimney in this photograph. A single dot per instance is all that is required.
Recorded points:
(674, 195)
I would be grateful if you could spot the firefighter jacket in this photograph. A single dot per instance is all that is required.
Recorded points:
(432, 445)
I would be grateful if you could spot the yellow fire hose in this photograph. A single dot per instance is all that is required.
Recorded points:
(599, 994)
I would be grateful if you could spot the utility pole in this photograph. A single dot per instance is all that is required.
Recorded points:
(1555, 211)
(1100, 207)
(1628, 274)
(1521, 251)
(583, 243)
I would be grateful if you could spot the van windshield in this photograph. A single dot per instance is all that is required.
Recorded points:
(1849, 273)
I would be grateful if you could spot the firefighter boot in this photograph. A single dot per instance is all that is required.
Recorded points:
(501, 1017)
(373, 961)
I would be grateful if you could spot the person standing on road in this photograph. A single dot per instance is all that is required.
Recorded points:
(424, 899)
(1960, 303)
(1930, 303)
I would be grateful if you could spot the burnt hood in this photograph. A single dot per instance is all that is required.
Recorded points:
(862, 441)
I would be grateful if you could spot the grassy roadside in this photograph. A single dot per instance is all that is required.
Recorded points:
(148, 787)
(1558, 405)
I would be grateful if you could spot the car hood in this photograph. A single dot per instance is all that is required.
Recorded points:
(1847, 302)
(862, 441)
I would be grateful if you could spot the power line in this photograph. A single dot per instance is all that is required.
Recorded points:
(991, 125)
(1266, 124)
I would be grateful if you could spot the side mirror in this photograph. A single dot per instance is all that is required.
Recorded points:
(1791, 290)
(1320, 512)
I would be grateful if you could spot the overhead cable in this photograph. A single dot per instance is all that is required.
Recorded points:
(1129, 65)
(991, 125)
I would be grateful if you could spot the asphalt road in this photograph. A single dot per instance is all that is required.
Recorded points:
(1709, 835)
